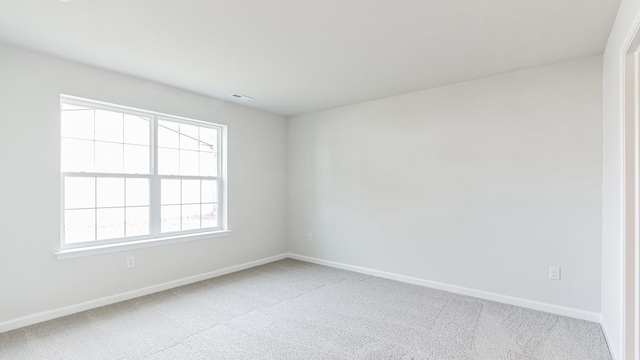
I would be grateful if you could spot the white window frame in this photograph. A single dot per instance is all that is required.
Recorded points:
(155, 237)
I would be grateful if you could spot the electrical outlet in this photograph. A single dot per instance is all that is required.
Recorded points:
(554, 272)
(309, 237)
(131, 262)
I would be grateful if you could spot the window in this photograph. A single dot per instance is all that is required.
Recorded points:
(129, 175)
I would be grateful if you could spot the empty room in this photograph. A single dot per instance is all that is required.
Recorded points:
(297, 179)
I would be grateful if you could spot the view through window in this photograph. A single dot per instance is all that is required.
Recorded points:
(130, 174)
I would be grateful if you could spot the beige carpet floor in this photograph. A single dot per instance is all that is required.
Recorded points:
(296, 310)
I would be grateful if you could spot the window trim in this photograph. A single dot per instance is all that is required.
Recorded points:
(71, 253)
(155, 237)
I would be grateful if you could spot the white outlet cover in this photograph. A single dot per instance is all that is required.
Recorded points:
(554, 273)
(131, 261)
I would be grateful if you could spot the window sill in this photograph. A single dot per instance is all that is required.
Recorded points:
(140, 244)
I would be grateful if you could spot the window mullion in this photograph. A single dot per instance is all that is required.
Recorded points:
(155, 180)
(221, 212)
(95, 212)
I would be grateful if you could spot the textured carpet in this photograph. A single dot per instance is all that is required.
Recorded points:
(296, 310)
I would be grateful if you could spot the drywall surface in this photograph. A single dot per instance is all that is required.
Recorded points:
(612, 213)
(31, 278)
(482, 184)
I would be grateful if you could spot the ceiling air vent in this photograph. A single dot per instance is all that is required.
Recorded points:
(242, 97)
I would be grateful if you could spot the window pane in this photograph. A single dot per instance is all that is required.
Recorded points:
(168, 162)
(137, 221)
(190, 191)
(110, 223)
(188, 137)
(188, 162)
(136, 130)
(170, 218)
(108, 157)
(168, 134)
(110, 192)
(170, 192)
(208, 139)
(208, 164)
(137, 192)
(77, 124)
(109, 126)
(79, 225)
(209, 215)
(190, 217)
(79, 192)
(209, 191)
(136, 159)
(77, 155)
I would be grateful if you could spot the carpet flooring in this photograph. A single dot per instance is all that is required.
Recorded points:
(296, 310)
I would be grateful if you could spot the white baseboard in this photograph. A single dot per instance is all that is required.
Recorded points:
(607, 339)
(108, 300)
(92, 304)
(530, 304)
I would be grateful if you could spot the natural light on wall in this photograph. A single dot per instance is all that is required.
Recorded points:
(131, 174)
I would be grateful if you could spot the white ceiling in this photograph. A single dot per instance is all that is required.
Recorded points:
(300, 56)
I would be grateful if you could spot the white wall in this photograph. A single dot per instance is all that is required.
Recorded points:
(612, 231)
(31, 279)
(482, 184)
